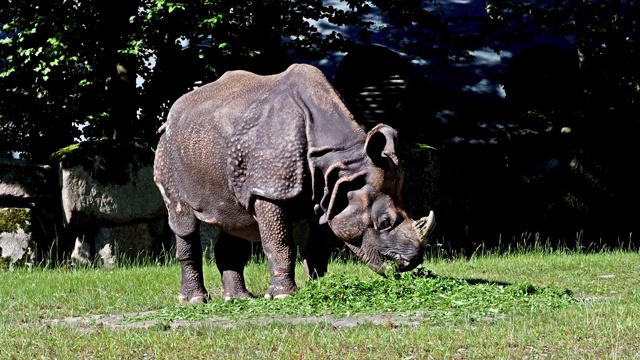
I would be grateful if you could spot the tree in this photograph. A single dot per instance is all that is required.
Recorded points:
(606, 34)
(56, 60)
(61, 54)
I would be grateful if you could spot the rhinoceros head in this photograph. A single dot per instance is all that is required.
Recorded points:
(365, 209)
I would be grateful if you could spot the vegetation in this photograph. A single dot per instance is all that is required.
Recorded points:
(12, 219)
(103, 158)
(57, 84)
(562, 305)
(606, 39)
(420, 294)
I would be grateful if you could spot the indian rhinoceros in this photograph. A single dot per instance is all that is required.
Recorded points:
(254, 154)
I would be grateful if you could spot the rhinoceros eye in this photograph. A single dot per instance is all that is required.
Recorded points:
(384, 222)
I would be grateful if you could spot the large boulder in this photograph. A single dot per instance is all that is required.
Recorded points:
(111, 206)
(378, 90)
(131, 241)
(103, 189)
(29, 209)
(16, 241)
(22, 183)
(88, 202)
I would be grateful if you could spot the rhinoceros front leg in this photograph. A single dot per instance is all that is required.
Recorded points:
(189, 253)
(278, 246)
(232, 254)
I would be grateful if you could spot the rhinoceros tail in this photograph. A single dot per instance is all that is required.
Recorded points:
(162, 128)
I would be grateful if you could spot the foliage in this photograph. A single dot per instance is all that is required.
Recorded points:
(12, 219)
(53, 76)
(60, 56)
(420, 292)
(418, 148)
(42, 308)
(606, 34)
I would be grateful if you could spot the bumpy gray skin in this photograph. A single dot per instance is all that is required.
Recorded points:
(254, 154)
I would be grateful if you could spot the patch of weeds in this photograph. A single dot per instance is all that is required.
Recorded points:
(161, 326)
(418, 293)
(5, 262)
(12, 219)
(417, 149)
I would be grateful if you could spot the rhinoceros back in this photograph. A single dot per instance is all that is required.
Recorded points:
(245, 133)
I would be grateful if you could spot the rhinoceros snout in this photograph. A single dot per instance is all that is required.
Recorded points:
(404, 264)
(410, 257)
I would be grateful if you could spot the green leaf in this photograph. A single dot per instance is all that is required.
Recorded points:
(7, 72)
(175, 6)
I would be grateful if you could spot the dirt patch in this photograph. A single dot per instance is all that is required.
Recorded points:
(116, 321)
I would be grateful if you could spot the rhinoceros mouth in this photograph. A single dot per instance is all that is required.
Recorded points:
(402, 262)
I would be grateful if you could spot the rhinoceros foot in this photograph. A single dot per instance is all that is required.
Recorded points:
(199, 299)
(244, 294)
(233, 286)
(280, 291)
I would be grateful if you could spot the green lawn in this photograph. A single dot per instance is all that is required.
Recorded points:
(526, 305)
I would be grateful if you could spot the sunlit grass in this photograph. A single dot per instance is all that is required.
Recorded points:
(515, 305)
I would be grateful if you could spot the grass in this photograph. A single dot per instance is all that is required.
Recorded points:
(419, 294)
(519, 305)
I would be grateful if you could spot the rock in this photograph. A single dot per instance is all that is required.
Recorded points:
(111, 206)
(81, 253)
(376, 91)
(18, 246)
(33, 190)
(131, 241)
(89, 203)
(22, 183)
(16, 241)
(108, 256)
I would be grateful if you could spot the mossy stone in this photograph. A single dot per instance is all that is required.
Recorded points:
(12, 219)
(107, 161)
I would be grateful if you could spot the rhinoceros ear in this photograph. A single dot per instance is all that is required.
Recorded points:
(331, 178)
(380, 145)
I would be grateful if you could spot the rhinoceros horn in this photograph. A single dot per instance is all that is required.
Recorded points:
(424, 226)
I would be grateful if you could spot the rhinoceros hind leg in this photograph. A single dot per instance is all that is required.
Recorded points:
(189, 253)
(232, 255)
